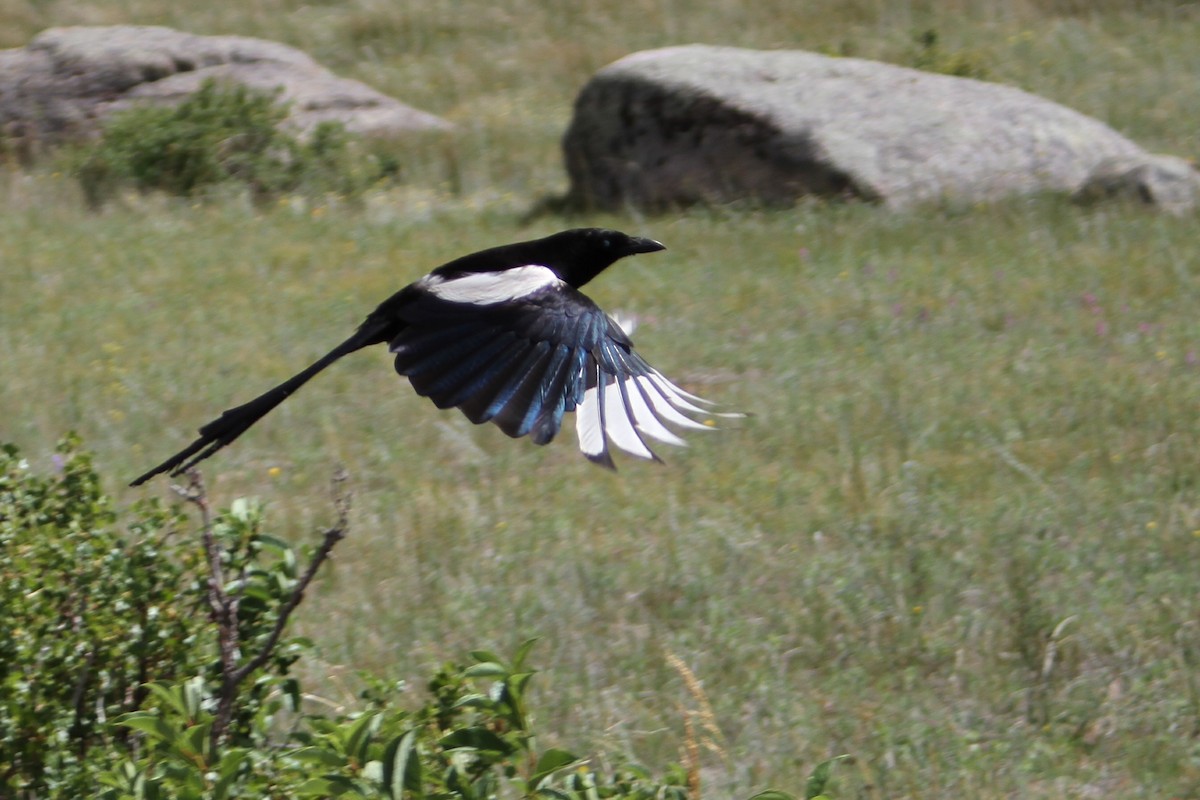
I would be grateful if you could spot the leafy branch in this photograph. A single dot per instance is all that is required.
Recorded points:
(224, 604)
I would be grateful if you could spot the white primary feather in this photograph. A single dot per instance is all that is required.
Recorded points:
(644, 416)
(663, 404)
(588, 425)
(619, 426)
(489, 288)
(681, 399)
(682, 393)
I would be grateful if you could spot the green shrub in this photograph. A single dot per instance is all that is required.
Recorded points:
(95, 617)
(90, 617)
(472, 739)
(136, 665)
(222, 134)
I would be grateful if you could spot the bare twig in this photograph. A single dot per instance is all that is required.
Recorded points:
(224, 606)
(222, 609)
(341, 501)
(219, 605)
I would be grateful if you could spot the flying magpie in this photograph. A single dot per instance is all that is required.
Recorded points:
(506, 336)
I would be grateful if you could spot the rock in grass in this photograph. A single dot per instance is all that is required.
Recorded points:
(66, 80)
(704, 124)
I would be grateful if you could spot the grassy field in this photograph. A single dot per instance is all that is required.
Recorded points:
(958, 539)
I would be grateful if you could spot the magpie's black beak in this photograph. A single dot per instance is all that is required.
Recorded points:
(638, 244)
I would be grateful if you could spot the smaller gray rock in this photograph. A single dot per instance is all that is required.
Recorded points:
(314, 95)
(67, 80)
(1165, 182)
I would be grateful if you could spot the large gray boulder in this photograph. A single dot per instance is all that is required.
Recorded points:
(66, 80)
(703, 124)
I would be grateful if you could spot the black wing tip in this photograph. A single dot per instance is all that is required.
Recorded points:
(186, 458)
(602, 459)
(605, 459)
(138, 481)
(170, 468)
(545, 429)
(171, 465)
(653, 458)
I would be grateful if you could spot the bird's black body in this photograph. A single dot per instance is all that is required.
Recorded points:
(506, 336)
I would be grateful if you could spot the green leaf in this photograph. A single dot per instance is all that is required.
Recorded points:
(194, 740)
(245, 509)
(340, 784)
(549, 763)
(150, 724)
(401, 766)
(227, 771)
(274, 543)
(774, 794)
(359, 737)
(232, 760)
(518, 681)
(475, 738)
(321, 756)
(486, 669)
(321, 787)
(819, 779)
(194, 693)
(519, 657)
(250, 591)
(171, 696)
(485, 655)
(474, 701)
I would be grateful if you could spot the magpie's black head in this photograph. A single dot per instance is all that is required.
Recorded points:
(580, 254)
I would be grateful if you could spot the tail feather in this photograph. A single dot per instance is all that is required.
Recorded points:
(235, 421)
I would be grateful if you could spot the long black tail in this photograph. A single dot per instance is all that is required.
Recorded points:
(236, 421)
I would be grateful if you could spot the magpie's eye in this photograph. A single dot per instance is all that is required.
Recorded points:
(606, 243)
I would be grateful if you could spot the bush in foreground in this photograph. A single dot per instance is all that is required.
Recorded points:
(134, 664)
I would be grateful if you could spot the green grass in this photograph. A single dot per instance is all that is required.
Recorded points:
(958, 538)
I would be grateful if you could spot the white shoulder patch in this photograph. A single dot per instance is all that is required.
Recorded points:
(489, 288)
